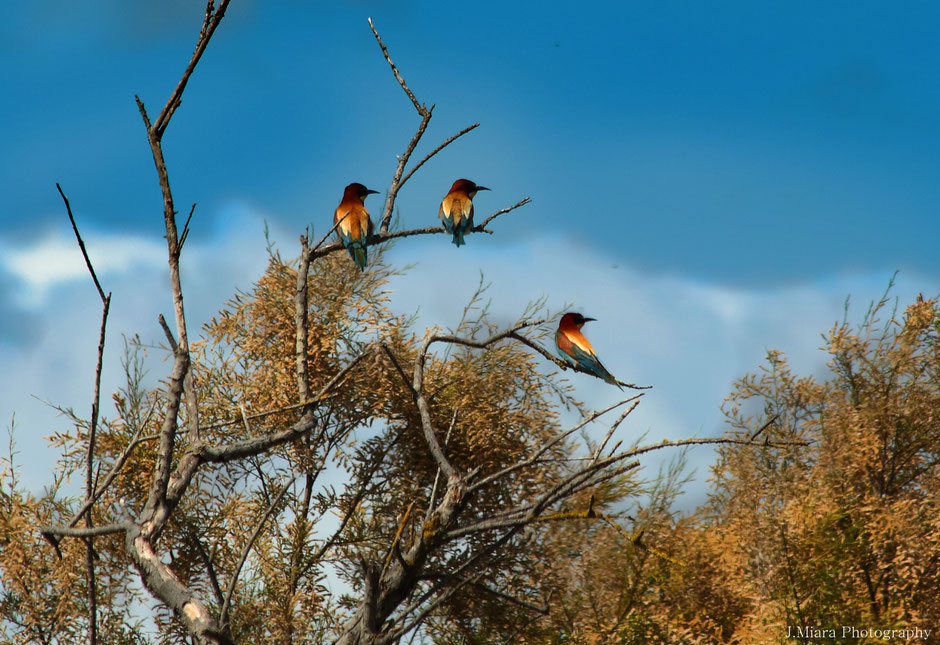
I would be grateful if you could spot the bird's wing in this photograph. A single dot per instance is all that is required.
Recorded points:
(358, 223)
(582, 343)
(583, 357)
(342, 217)
(456, 207)
(592, 364)
(563, 344)
(466, 208)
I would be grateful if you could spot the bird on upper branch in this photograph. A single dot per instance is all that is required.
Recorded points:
(575, 349)
(456, 210)
(354, 227)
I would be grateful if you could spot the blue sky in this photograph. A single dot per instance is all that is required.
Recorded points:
(708, 179)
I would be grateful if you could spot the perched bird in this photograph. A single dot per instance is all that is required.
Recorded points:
(457, 208)
(575, 348)
(354, 226)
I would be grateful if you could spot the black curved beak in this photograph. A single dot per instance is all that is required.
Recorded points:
(371, 192)
(586, 319)
(482, 188)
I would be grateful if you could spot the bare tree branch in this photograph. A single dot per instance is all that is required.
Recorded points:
(437, 476)
(482, 227)
(425, 114)
(87, 532)
(428, 156)
(394, 635)
(185, 232)
(541, 609)
(358, 496)
(300, 322)
(210, 568)
(245, 418)
(213, 18)
(422, 110)
(92, 430)
(81, 245)
(396, 178)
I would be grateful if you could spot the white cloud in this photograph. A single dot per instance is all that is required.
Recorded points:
(56, 260)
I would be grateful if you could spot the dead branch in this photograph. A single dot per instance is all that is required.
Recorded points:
(482, 227)
(422, 110)
(399, 178)
(428, 156)
(437, 476)
(92, 429)
(300, 322)
(213, 18)
(87, 532)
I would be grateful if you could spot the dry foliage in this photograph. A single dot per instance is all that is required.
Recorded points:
(846, 531)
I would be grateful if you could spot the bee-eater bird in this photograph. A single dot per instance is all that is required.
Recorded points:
(457, 208)
(576, 350)
(353, 223)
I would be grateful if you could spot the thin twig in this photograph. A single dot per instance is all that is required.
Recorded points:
(381, 237)
(545, 447)
(393, 548)
(210, 568)
(400, 168)
(425, 113)
(329, 232)
(92, 431)
(258, 444)
(482, 227)
(167, 332)
(422, 110)
(185, 232)
(443, 145)
(610, 432)
(764, 427)
(242, 418)
(223, 615)
(81, 245)
(212, 20)
(437, 475)
(364, 482)
(396, 634)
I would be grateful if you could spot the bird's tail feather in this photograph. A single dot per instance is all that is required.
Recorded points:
(359, 255)
(357, 250)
